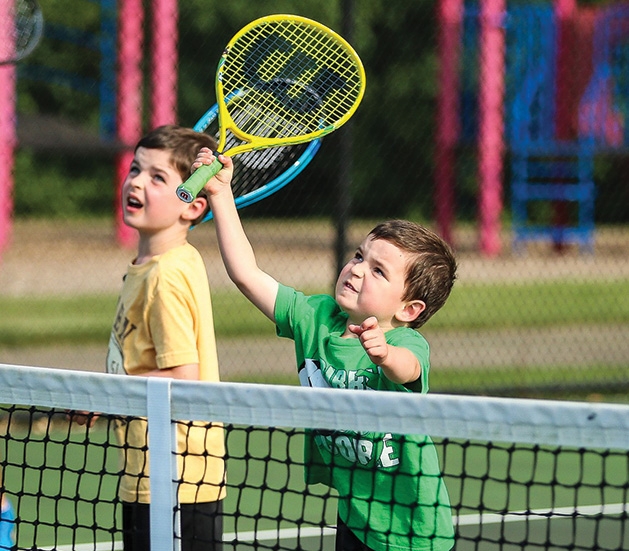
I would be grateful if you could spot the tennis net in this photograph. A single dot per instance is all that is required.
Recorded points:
(521, 474)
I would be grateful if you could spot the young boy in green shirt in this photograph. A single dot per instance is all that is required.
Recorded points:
(391, 493)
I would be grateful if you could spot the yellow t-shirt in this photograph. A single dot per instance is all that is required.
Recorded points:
(163, 320)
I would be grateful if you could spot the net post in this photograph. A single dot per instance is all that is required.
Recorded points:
(163, 465)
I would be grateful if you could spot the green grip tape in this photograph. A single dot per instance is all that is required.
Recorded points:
(191, 187)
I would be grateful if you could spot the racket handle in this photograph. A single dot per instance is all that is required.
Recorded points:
(188, 191)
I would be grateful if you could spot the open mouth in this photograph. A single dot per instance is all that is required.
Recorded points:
(134, 203)
(349, 286)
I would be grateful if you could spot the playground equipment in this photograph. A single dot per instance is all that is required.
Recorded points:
(163, 77)
(101, 45)
(550, 164)
(488, 93)
(565, 99)
(120, 45)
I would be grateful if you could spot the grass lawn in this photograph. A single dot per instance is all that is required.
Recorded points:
(84, 320)
(87, 319)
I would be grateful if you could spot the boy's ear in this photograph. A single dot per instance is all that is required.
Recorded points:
(411, 311)
(195, 209)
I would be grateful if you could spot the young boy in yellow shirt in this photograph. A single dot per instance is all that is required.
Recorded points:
(164, 327)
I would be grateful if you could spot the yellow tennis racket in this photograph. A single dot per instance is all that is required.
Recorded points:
(282, 80)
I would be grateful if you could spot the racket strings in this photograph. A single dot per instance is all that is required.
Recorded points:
(271, 163)
(249, 118)
(302, 74)
(330, 53)
(27, 27)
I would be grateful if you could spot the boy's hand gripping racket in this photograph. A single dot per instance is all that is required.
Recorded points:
(282, 80)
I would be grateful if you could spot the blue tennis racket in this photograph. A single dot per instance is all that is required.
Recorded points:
(261, 172)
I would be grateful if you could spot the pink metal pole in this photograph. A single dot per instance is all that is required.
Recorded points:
(129, 101)
(164, 62)
(566, 100)
(8, 137)
(450, 21)
(491, 123)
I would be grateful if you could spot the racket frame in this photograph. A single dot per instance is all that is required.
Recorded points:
(189, 189)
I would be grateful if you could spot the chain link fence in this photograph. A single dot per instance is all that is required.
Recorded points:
(503, 126)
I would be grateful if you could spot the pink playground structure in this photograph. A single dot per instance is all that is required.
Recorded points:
(163, 82)
(129, 116)
(7, 124)
(556, 136)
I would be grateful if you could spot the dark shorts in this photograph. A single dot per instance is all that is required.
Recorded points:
(201, 526)
(346, 540)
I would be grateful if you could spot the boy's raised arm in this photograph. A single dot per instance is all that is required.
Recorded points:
(236, 250)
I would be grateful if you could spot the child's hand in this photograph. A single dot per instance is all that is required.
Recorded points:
(82, 418)
(224, 176)
(372, 338)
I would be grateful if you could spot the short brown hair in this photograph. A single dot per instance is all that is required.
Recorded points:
(431, 270)
(184, 145)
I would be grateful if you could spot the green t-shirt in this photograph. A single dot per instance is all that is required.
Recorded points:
(391, 492)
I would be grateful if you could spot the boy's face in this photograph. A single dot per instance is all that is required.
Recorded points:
(149, 198)
(373, 283)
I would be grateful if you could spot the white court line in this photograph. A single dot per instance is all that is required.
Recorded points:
(462, 520)
(540, 514)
